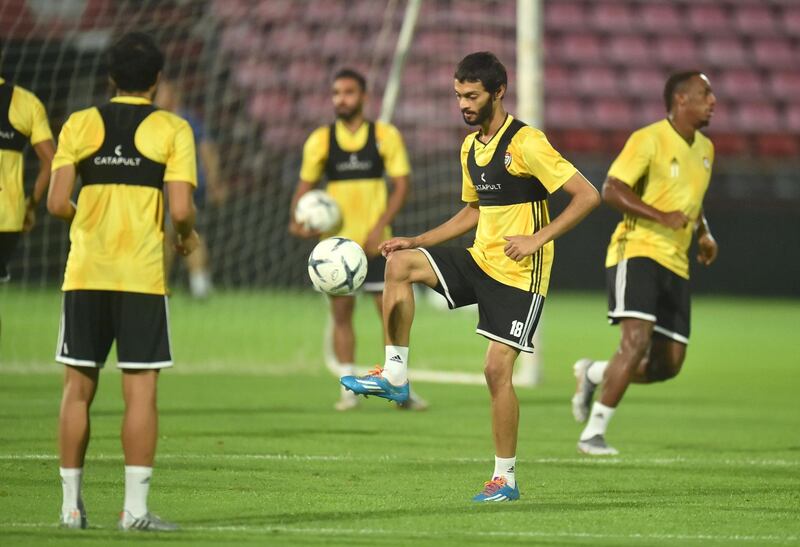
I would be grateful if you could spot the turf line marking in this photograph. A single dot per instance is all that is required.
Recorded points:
(444, 534)
(354, 458)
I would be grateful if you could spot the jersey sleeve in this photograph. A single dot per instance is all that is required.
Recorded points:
(182, 159)
(40, 127)
(634, 160)
(468, 192)
(393, 151)
(315, 154)
(66, 152)
(543, 161)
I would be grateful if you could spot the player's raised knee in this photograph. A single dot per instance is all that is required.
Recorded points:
(399, 265)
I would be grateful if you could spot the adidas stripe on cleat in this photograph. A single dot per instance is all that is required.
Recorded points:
(375, 384)
(146, 523)
(497, 489)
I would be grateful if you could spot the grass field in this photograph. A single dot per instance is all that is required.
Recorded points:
(251, 451)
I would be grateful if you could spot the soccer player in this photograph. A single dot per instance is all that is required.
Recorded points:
(658, 182)
(125, 151)
(509, 169)
(22, 120)
(353, 154)
(209, 184)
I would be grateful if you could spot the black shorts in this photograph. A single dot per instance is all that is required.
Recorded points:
(8, 244)
(376, 267)
(92, 320)
(505, 314)
(641, 288)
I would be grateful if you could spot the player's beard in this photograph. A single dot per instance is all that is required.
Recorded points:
(481, 116)
(346, 114)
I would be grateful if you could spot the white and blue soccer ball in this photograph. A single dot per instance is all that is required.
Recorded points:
(337, 266)
(316, 210)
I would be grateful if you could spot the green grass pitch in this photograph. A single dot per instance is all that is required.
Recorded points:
(251, 451)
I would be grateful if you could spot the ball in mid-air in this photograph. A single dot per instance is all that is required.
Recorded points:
(337, 266)
(316, 210)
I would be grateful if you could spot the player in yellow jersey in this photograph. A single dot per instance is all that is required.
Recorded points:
(353, 154)
(22, 120)
(658, 182)
(509, 170)
(125, 152)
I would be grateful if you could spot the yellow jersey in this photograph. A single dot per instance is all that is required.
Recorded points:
(22, 120)
(372, 149)
(124, 152)
(511, 177)
(669, 174)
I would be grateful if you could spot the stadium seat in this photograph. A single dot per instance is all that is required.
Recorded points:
(564, 16)
(650, 112)
(756, 20)
(558, 81)
(708, 18)
(564, 113)
(791, 118)
(660, 18)
(723, 119)
(739, 84)
(774, 53)
(612, 17)
(611, 114)
(785, 86)
(728, 144)
(791, 21)
(758, 117)
(725, 52)
(596, 81)
(671, 51)
(630, 50)
(579, 49)
(576, 140)
(307, 74)
(777, 145)
(644, 83)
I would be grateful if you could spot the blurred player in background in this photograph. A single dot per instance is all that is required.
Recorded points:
(658, 182)
(353, 154)
(114, 285)
(509, 169)
(22, 120)
(209, 185)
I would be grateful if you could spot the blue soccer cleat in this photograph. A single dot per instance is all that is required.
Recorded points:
(375, 384)
(497, 489)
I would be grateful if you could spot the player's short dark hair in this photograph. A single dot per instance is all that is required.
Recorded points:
(351, 74)
(483, 67)
(134, 62)
(674, 83)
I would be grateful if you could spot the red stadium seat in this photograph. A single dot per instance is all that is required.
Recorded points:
(785, 86)
(708, 19)
(660, 17)
(755, 20)
(791, 118)
(558, 81)
(729, 144)
(791, 21)
(564, 16)
(596, 81)
(673, 51)
(774, 53)
(740, 84)
(758, 117)
(777, 145)
(611, 17)
(650, 112)
(564, 113)
(612, 114)
(725, 52)
(644, 83)
(308, 74)
(628, 50)
(577, 140)
(579, 49)
(723, 119)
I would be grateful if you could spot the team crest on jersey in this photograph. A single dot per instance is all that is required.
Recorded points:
(507, 159)
(706, 163)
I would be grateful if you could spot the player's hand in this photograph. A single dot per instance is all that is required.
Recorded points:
(707, 249)
(674, 219)
(396, 244)
(373, 241)
(300, 230)
(184, 245)
(518, 247)
(30, 216)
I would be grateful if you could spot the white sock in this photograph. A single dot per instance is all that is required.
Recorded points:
(504, 467)
(71, 487)
(137, 486)
(200, 283)
(598, 421)
(596, 371)
(395, 366)
(347, 369)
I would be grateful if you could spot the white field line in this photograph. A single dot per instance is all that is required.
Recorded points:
(446, 533)
(588, 461)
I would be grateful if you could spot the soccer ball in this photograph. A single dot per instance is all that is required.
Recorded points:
(337, 266)
(316, 210)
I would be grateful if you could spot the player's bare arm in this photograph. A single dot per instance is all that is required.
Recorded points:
(460, 223)
(397, 199)
(45, 151)
(584, 199)
(295, 228)
(62, 183)
(622, 198)
(182, 213)
(707, 248)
